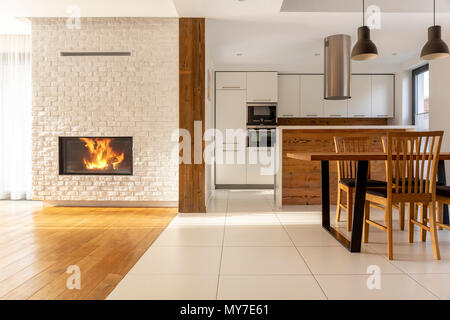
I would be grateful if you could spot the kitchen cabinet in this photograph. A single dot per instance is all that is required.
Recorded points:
(311, 96)
(382, 96)
(231, 80)
(262, 86)
(259, 164)
(231, 166)
(335, 108)
(230, 111)
(289, 96)
(360, 104)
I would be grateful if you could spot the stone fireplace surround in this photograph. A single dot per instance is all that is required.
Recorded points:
(104, 96)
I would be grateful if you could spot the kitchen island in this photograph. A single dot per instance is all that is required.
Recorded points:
(299, 182)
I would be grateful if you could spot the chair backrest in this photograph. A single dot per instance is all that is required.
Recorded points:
(346, 168)
(416, 175)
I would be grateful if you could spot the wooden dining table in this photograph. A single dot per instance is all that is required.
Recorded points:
(354, 244)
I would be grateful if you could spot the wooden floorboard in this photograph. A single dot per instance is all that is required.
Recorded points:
(38, 244)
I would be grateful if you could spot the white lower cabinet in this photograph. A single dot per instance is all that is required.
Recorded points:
(260, 166)
(241, 166)
(231, 166)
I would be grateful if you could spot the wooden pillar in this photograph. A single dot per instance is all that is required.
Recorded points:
(192, 110)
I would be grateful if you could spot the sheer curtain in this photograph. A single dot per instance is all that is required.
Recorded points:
(15, 117)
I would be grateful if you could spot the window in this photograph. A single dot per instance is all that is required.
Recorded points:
(421, 97)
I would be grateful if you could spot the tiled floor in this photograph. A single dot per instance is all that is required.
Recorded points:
(245, 248)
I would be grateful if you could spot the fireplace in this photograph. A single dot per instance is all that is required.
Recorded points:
(96, 155)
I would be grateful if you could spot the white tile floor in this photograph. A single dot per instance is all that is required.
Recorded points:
(245, 248)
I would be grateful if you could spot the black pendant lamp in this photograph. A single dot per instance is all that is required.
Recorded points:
(435, 48)
(364, 48)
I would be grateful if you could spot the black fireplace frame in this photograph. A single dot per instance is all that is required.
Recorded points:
(61, 161)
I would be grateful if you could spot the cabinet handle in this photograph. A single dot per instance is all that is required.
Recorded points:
(335, 115)
(311, 115)
(359, 116)
(382, 115)
(287, 115)
(231, 87)
(262, 100)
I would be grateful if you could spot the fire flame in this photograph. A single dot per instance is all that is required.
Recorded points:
(101, 154)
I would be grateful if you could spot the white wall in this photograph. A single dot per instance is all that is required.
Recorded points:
(403, 107)
(106, 96)
(209, 108)
(440, 102)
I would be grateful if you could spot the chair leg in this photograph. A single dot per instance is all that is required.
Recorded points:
(402, 215)
(423, 232)
(389, 230)
(433, 232)
(366, 226)
(411, 212)
(440, 214)
(349, 209)
(338, 209)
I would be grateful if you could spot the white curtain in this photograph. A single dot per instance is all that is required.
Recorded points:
(15, 117)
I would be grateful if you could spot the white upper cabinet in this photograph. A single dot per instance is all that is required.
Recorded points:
(262, 86)
(360, 104)
(231, 80)
(230, 110)
(289, 96)
(382, 96)
(335, 108)
(311, 96)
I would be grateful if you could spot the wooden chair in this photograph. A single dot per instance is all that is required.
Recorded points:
(401, 206)
(415, 183)
(347, 174)
(442, 197)
(398, 206)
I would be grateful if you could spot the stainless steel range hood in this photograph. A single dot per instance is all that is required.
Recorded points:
(337, 67)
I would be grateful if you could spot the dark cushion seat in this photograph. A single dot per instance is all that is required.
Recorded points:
(380, 192)
(351, 183)
(443, 191)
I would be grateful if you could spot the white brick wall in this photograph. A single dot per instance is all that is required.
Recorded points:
(106, 96)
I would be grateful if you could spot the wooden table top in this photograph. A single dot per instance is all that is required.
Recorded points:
(332, 156)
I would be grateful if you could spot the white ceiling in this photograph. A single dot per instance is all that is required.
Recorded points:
(401, 6)
(89, 8)
(263, 34)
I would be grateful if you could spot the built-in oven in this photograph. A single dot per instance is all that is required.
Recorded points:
(261, 137)
(261, 114)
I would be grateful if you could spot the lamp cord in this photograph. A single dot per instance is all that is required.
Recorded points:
(434, 12)
(364, 13)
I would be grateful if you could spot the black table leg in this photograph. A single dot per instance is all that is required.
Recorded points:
(359, 206)
(442, 179)
(325, 167)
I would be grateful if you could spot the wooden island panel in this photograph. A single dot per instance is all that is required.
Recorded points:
(301, 184)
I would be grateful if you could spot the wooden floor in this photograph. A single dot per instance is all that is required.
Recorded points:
(38, 244)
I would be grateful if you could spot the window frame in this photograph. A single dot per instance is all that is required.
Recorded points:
(415, 73)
